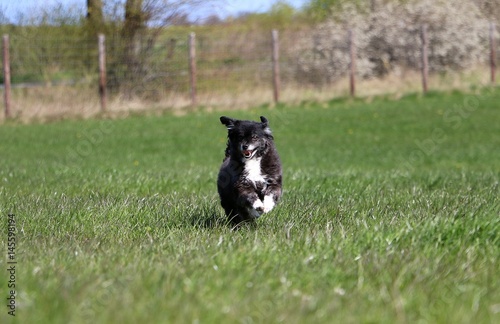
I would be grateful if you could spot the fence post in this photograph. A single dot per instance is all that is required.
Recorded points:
(493, 54)
(171, 48)
(276, 66)
(102, 71)
(6, 75)
(352, 72)
(192, 68)
(425, 58)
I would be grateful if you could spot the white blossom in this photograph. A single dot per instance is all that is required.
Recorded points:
(388, 39)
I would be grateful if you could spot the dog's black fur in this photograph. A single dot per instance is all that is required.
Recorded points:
(250, 178)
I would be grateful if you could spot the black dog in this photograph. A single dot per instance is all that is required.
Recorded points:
(249, 181)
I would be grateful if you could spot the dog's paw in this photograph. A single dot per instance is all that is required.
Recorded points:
(258, 206)
(268, 204)
(257, 209)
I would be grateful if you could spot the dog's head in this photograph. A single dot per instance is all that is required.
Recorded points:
(247, 139)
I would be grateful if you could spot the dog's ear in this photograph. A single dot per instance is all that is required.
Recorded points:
(229, 122)
(265, 125)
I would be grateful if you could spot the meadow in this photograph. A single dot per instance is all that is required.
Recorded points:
(390, 214)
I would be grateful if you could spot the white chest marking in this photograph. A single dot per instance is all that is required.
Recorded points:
(252, 168)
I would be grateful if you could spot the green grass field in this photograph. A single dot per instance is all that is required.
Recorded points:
(390, 214)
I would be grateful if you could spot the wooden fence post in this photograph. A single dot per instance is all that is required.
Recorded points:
(6, 75)
(171, 48)
(425, 58)
(276, 66)
(102, 71)
(192, 68)
(352, 69)
(493, 54)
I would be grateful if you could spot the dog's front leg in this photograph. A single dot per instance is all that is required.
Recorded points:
(249, 201)
(272, 194)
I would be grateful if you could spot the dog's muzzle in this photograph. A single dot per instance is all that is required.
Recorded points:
(247, 153)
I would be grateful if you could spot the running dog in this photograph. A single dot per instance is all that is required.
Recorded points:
(250, 177)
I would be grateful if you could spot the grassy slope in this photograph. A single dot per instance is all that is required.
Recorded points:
(390, 213)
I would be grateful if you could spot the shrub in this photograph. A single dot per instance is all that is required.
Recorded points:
(388, 37)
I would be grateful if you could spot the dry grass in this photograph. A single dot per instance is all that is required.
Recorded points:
(82, 101)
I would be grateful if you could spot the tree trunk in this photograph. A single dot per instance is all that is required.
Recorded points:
(95, 18)
(135, 19)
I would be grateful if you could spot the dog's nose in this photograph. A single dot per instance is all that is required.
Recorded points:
(244, 147)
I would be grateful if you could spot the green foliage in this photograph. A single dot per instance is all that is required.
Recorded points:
(389, 207)
(281, 15)
(320, 10)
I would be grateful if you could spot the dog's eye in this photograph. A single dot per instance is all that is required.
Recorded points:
(254, 137)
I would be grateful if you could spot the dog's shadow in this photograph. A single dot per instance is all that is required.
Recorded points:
(211, 217)
(207, 216)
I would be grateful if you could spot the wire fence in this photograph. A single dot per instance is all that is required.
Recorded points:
(54, 72)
